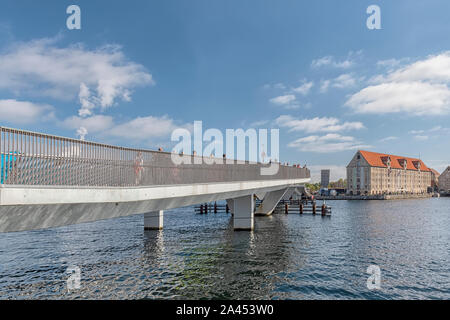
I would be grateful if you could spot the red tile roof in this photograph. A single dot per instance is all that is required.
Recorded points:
(376, 160)
(437, 174)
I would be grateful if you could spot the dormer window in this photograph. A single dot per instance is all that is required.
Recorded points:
(386, 161)
(403, 163)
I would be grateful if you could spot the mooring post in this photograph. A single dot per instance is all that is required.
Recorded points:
(301, 208)
(314, 207)
(201, 209)
(286, 208)
(215, 207)
(324, 210)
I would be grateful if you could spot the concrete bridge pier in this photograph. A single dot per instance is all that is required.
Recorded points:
(243, 208)
(153, 220)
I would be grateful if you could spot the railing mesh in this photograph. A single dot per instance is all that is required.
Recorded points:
(29, 158)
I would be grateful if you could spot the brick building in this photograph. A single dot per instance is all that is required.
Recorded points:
(435, 179)
(370, 173)
(444, 180)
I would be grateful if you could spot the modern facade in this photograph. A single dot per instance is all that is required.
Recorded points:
(324, 178)
(371, 173)
(444, 180)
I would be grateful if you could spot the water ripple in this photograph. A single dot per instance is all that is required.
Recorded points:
(201, 257)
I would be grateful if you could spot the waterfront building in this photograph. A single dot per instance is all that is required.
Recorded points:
(371, 173)
(325, 178)
(434, 179)
(444, 180)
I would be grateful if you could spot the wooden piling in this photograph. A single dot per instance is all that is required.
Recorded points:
(314, 208)
(215, 207)
(324, 210)
(301, 208)
(286, 208)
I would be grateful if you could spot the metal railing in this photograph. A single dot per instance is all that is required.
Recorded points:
(29, 158)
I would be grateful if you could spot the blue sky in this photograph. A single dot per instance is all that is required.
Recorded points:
(138, 69)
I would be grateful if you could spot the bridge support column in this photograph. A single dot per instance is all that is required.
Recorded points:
(153, 220)
(243, 213)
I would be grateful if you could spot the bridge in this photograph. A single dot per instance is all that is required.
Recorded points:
(49, 181)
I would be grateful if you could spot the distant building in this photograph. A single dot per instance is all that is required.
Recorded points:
(434, 179)
(324, 178)
(444, 180)
(370, 173)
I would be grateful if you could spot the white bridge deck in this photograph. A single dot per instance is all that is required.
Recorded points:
(49, 181)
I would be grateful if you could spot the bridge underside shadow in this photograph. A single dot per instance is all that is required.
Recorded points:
(30, 208)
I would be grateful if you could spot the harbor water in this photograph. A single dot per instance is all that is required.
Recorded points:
(201, 257)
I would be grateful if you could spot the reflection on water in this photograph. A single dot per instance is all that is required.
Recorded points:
(200, 256)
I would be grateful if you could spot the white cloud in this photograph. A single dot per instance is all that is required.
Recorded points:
(388, 63)
(391, 138)
(288, 101)
(324, 61)
(259, 123)
(86, 105)
(137, 130)
(417, 98)
(391, 63)
(316, 124)
(24, 112)
(435, 69)
(420, 88)
(144, 128)
(99, 77)
(82, 132)
(93, 124)
(328, 143)
(331, 61)
(325, 84)
(275, 86)
(344, 81)
(283, 100)
(279, 86)
(304, 88)
(435, 129)
(421, 137)
(292, 106)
